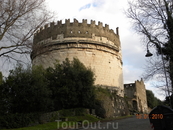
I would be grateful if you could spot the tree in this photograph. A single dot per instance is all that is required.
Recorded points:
(1, 78)
(153, 19)
(152, 101)
(25, 91)
(72, 85)
(19, 20)
(167, 100)
(28, 92)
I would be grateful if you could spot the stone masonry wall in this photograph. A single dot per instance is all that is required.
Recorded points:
(113, 105)
(136, 95)
(141, 96)
(95, 46)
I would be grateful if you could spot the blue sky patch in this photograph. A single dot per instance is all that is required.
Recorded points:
(94, 4)
(85, 7)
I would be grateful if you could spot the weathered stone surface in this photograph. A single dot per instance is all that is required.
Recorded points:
(136, 95)
(95, 46)
(113, 105)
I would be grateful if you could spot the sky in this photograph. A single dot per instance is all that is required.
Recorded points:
(111, 12)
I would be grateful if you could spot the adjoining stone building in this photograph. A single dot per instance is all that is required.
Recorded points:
(96, 46)
(136, 96)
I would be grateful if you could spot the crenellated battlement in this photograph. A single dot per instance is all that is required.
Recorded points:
(76, 29)
(75, 23)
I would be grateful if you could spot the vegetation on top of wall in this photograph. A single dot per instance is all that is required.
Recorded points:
(103, 90)
(73, 112)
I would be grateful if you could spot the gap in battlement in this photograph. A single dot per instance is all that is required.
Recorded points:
(63, 21)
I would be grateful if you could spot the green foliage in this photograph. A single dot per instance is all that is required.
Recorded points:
(105, 91)
(172, 101)
(152, 101)
(99, 110)
(3, 106)
(17, 120)
(26, 91)
(71, 84)
(54, 125)
(80, 111)
(101, 94)
(42, 91)
(66, 112)
(159, 102)
(72, 112)
(1, 78)
(167, 101)
(36, 90)
(89, 118)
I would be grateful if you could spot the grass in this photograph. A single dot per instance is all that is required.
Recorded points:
(47, 126)
(117, 118)
(90, 118)
(56, 125)
(72, 120)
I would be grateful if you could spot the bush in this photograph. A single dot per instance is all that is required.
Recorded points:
(17, 120)
(25, 91)
(35, 90)
(73, 112)
(99, 110)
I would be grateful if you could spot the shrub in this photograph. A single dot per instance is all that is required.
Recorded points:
(17, 120)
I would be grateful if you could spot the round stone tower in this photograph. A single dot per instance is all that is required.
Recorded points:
(95, 46)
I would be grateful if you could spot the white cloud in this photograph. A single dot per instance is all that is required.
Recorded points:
(131, 73)
(85, 7)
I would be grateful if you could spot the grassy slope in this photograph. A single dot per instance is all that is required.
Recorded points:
(70, 123)
(55, 125)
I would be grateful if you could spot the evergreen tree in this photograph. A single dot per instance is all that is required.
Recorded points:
(1, 77)
(26, 91)
(71, 84)
(152, 101)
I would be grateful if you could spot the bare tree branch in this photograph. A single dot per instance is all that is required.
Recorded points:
(19, 20)
(153, 19)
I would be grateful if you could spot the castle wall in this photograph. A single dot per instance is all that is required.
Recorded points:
(76, 29)
(114, 106)
(130, 90)
(94, 45)
(136, 94)
(141, 94)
